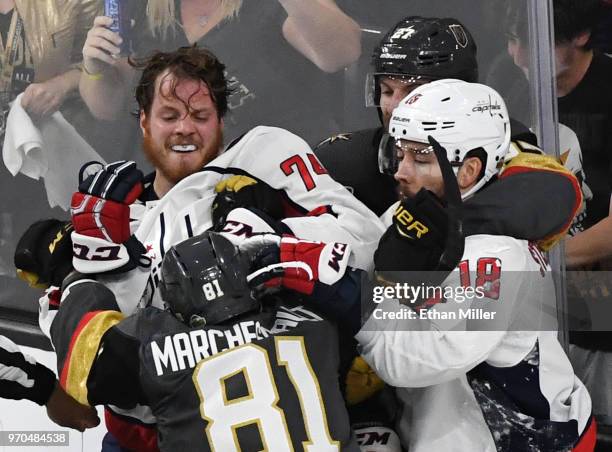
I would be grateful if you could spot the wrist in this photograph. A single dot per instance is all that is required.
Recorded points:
(91, 71)
(45, 383)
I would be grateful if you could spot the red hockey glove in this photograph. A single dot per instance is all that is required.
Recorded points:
(293, 263)
(101, 207)
(100, 211)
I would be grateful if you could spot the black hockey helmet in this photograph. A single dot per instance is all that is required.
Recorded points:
(203, 280)
(423, 49)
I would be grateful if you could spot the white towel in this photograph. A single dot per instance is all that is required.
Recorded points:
(51, 149)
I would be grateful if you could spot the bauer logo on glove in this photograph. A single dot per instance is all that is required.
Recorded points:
(407, 225)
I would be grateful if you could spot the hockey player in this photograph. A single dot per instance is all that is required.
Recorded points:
(182, 96)
(221, 369)
(416, 51)
(508, 389)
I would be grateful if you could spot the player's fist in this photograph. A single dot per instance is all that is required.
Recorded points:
(43, 256)
(426, 233)
(119, 181)
(293, 263)
(101, 207)
(244, 191)
(67, 412)
(361, 382)
(416, 238)
(102, 238)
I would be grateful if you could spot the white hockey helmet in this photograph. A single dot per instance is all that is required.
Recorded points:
(462, 117)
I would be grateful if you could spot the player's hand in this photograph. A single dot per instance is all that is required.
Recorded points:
(44, 99)
(293, 263)
(426, 235)
(101, 218)
(67, 412)
(101, 207)
(244, 191)
(101, 47)
(43, 256)
(361, 382)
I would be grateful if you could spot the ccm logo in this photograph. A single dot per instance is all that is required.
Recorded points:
(373, 438)
(102, 253)
(337, 255)
(238, 229)
(406, 219)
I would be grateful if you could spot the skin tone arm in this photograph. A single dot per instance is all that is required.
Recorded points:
(317, 28)
(44, 99)
(590, 246)
(322, 33)
(67, 412)
(105, 79)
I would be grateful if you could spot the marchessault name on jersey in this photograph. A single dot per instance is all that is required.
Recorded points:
(180, 351)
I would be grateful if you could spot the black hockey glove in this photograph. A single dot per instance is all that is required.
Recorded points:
(244, 191)
(425, 236)
(43, 256)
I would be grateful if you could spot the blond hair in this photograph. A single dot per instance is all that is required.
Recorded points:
(161, 15)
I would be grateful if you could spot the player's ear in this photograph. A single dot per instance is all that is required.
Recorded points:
(581, 39)
(469, 172)
(143, 121)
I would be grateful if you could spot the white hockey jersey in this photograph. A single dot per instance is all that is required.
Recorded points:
(275, 156)
(272, 155)
(467, 387)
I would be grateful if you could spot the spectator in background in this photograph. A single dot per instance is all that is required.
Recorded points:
(585, 105)
(602, 37)
(45, 48)
(21, 377)
(270, 49)
(41, 56)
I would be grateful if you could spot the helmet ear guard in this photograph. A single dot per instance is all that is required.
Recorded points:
(204, 280)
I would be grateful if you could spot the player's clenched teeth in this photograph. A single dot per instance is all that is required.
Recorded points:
(184, 147)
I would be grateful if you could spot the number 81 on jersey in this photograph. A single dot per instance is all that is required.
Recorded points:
(259, 406)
